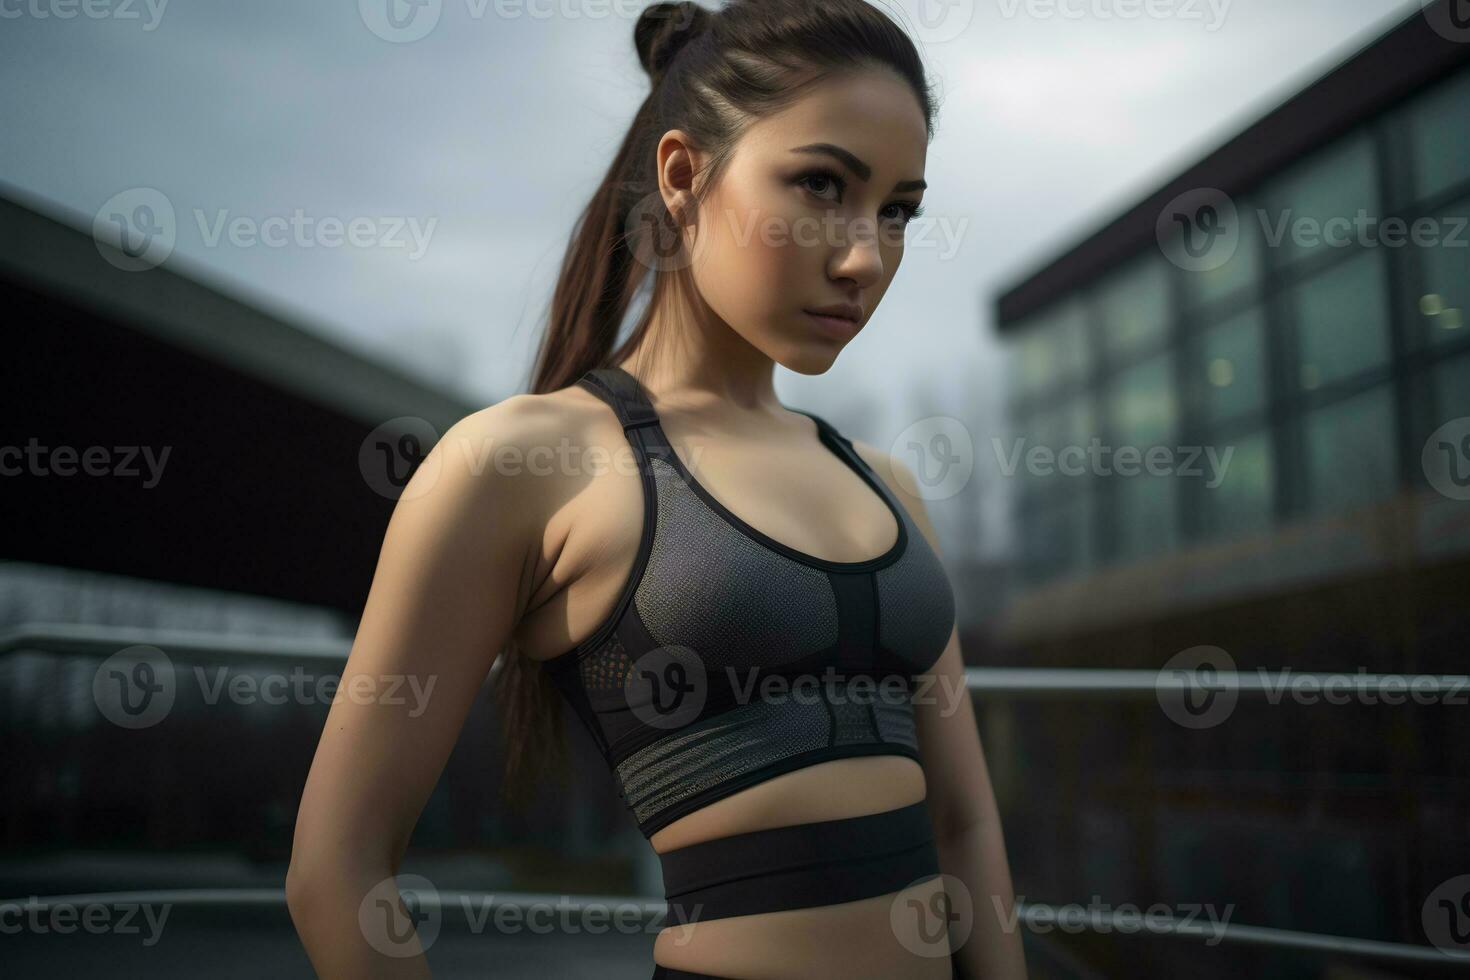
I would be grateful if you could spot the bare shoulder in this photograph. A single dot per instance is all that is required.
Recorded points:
(900, 479)
(556, 457)
(516, 461)
(525, 422)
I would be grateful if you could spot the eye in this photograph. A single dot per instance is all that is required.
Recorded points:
(908, 210)
(823, 177)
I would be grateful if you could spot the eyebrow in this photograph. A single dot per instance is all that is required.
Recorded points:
(851, 162)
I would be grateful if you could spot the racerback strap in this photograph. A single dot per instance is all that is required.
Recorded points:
(623, 392)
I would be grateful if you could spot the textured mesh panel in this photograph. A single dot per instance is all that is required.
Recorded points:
(917, 604)
(750, 737)
(896, 723)
(730, 599)
(854, 723)
(737, 741)
(606, 668)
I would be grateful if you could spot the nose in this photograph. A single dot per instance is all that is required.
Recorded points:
(858, 254)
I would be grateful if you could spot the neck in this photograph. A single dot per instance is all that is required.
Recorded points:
(691, 360)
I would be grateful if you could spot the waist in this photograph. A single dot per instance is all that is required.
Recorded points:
(826, 862)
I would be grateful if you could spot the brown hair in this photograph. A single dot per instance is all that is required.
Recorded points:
(712, 74)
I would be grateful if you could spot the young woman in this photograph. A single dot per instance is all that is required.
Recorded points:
(696, 540)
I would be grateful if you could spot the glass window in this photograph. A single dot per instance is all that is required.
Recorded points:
(1333, 185)
(1058, 539)
(1240, 275)
(1440, 136)
(1446, 296)
(1350, 451)
(1146, 513)
(1232, 367)
(1240, 501)
(1142, 406)
(1341, 320)
(1452, 397)
(1452, 389)
(1133, 306)
(1071, 424)
(1050, 349)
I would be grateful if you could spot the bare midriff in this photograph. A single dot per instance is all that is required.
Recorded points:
(852, 939)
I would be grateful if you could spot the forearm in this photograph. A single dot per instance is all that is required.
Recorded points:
(977, 858)
(344, 943)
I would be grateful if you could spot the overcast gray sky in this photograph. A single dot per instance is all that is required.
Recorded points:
(491, 130)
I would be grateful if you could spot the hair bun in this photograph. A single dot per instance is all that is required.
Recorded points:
(662, 31)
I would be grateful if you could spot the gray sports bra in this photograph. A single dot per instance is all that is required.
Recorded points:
(731, 658)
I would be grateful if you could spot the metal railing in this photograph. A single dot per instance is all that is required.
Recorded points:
(650, 913)
(1046, 683)
(1013, 682)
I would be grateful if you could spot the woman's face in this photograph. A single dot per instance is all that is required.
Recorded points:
(810, 214)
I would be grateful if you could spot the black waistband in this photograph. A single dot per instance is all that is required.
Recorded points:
(802, 865)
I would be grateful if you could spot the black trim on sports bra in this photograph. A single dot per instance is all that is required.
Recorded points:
(644, 432)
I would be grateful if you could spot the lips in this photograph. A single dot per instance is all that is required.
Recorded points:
(834, 327)
(843, 311)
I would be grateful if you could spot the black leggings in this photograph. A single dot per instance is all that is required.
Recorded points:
(826, 862)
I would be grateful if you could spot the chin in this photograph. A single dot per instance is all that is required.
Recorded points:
(811, 361)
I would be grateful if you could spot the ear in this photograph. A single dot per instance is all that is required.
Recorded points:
(679, 160)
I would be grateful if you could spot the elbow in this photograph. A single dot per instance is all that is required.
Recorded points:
(329, 880)
(308, 879)
(300, 886)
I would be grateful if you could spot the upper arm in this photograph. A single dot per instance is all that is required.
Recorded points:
(450, 584)
(959, 791)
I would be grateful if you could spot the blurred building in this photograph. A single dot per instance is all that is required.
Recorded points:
(1209, 317)
(181, 458)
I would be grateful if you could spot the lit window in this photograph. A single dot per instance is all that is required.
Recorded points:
(1341, 321)
(1133, 307)
(1142, 406)
(1232, 368)
(1350, 451)
(1240, 501)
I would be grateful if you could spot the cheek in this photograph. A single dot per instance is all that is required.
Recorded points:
(750, 267)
